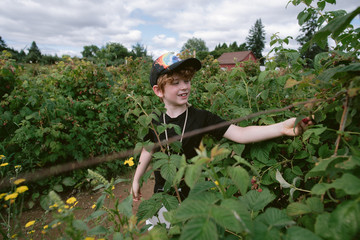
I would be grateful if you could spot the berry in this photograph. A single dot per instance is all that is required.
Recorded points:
(305, 120)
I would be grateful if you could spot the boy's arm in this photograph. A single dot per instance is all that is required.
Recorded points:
(144, 161)
(252, 134)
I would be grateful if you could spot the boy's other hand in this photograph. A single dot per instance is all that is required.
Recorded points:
(288, 126)
(135, 191)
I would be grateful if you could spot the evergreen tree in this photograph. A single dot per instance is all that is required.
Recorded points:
(2, 44)
(308, 30)
(34, 54)
(256, 40)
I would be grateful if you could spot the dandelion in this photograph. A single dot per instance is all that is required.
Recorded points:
(29, 224)
(21, 189)
(11, 196)
(18, 181)
(130, 162)
(4, 164)
(93, 206)
(71, 200)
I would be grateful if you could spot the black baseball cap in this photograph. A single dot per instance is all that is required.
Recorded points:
(169, 62)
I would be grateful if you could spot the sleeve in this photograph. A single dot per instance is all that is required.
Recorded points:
(213, 119)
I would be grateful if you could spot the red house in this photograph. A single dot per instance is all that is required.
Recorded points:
(229, 60)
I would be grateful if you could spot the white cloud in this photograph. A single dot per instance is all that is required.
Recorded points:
(161, 25)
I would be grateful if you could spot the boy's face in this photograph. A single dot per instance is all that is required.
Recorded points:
(176, 93)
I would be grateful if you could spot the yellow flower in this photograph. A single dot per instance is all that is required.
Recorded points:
(2, 195)
(2, 156)
(46, 226)
(60, 210)
(14, 236)
(113, 187)
(11, 196)
(18, 166)
(29, 224)
(93, 206)
(216, 183)
(21, 189)
(4, 164)
(18, 181)
(31, 232)
(89, 238)
(43, 231)
(53, 206)
(71, 200)
(66, 206)
(130, 162)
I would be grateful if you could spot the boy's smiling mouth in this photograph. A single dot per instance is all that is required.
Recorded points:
(183, 94)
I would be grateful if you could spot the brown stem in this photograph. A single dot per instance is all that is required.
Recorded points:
(342, 124)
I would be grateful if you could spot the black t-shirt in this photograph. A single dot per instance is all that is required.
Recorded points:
(197, 119)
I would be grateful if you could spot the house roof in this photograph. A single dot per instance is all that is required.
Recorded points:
(232, 57)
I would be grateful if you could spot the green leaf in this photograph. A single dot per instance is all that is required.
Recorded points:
(321, 227)
(336, 26)
(80, 225)
(95, 214)
(348, 183)
(241, 213)
(98, 230)
(344, 221)
(125, 207)
(315, 204)
(199, 229)
(158, 233)
(68, 181)
(320, 188)
(169, 202)
(329, 73)
(298, 233)
(275, 217)
(149, 208)
(168, 171)
(192, 208)
(58, 188)
(192, 174)
(240, 178)
(296, 208)
(322, 166)
(261, 151)
(256, 201)
(227, 218)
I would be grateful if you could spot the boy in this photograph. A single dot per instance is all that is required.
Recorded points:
(170, 79)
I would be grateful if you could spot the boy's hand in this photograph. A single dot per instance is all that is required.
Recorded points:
(135, 191)
(288, 126)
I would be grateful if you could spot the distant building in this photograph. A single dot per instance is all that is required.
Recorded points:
(229, 60)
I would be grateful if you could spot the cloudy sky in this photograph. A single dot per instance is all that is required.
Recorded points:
(65, 26)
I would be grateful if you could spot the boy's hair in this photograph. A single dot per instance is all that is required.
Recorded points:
(187, 73)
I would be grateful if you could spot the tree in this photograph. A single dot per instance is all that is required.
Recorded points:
(113, 53)
(2, 44)
(308, 30)
(256, 40)
(195, 44)
(90, 51)
(34, 54)
(139, 50)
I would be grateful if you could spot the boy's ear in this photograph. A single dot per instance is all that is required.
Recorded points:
(158, 91)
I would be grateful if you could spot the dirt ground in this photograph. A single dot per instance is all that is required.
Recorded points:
(84, 206)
